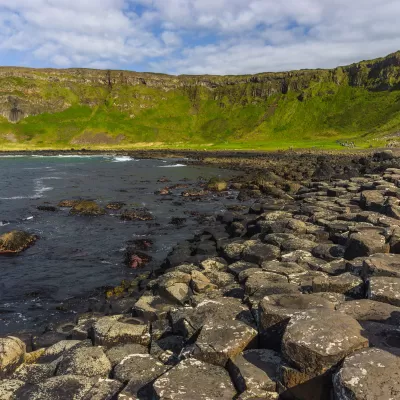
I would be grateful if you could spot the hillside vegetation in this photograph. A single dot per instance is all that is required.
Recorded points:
(81, 108)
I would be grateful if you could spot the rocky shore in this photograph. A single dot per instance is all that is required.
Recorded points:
(295, 297)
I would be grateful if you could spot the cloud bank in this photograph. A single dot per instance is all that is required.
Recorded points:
(196, 36)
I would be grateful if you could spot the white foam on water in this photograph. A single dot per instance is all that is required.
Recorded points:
(11, 156)
(122, 159)
(172, 166)
(29, 218)
(4, 223)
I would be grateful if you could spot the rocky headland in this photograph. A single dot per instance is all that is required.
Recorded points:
(295, 297)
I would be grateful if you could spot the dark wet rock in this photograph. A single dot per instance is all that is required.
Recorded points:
(194, 193)
(136, 259)
(168, 348)
(255, 370)
(368, 374)
(364, 244)
(87, 361)
(385, 289)
(381, 265)
(383, 155)
(237, 267)
(347, 284)
(70, 387)
(108, 332)
(137, 215)
(47, 208)
(369, 310)
(315, 341)
(84, 325)
(118, 353)
(87, 207)
(12, 352)
(217, 185)
(220, 340)
(328, 252)
(211, 382)
(275, 312)
(115, 205)
(383, 336)
(16, 241)
(139, 370)
(47, 339)
(9, 387)
(177, 221)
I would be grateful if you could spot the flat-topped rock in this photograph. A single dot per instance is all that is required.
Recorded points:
(316, 340)
(385, 289)
(369, 310)
(346, 283)
(108, 332)
(255, 251)
(369, 374)
(365, 243)
(382, 265)
(220, 340)
(195, 380)
(256, 370)
(8, 388)
(118, 353)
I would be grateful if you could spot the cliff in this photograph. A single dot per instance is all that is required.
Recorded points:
(52, 108)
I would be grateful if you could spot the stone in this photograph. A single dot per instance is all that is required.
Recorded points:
(257, 252)
(255, 370)
(364, 244)
(87, 207)
(233, 251)
(275, 312)
(56, 350)
(315, 341)
(214, 264)
(369, 374)
(87, 361)
(195, 380)
(175, 286)
(237, 267)
(384, 289)
(47, 339)
(9, 387)
(346, 283)
(12, 352)
(35, 373)
(103, 389)
(297, 244)
(220, 340)
(151, 308)
(328, 252)
(108, 332)
(369, 310)
(200, 283)
(84, 325)
(372, 200)
(139, 370)
(381, 265)
(118, 353)
(283, 268)
(16, 241)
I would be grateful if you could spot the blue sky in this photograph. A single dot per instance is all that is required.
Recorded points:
(196, 36)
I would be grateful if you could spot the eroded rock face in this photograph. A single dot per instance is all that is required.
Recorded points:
(316, 340)
(195, 380)
(15, 241)
(12, 352)
(368, 374)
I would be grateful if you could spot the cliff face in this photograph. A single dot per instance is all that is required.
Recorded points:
(65, 106)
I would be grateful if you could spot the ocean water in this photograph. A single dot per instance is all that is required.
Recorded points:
(77, 256)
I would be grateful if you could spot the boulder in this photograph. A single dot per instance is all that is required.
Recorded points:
(283, 268)
(195, 380)
(9, 387)
(381, 265)
(328, 252)
(108, 332)
(87, 207)
(220, 340)
(369, 374)
(372, 200)
(233, 251)
(139, 370)
(86, 361)
(347, 284)
(16, 241)
(35, 373)
(315, 341)
(255, 370)
(137, 215)
(369, 310)
(12, 352)
(56, 350)
(257, 252)
(385, 289)
(297, 243)
(118, 353)
(151, 308)
(237, 267)
(275, 312)
(364, 244)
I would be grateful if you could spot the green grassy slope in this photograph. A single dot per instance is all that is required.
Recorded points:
(65, 109)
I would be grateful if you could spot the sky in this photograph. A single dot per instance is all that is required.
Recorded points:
(196, 36)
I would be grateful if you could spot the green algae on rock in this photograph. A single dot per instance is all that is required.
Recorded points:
(15, 241)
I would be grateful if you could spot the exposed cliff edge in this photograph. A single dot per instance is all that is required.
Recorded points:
(60, 108)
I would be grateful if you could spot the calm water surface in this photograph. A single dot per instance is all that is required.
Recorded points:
(76, 255)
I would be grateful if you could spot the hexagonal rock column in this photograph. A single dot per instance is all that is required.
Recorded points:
(220, 340)
(12, 352)
(370, 374)
(385, 289)
(382, 265)
(195, 380)
(316, 340)
(275, 312)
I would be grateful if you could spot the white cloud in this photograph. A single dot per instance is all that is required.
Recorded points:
(199, 36)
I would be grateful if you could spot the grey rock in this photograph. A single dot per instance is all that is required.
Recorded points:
(385, 289)
(118, 353)
(347, 284)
